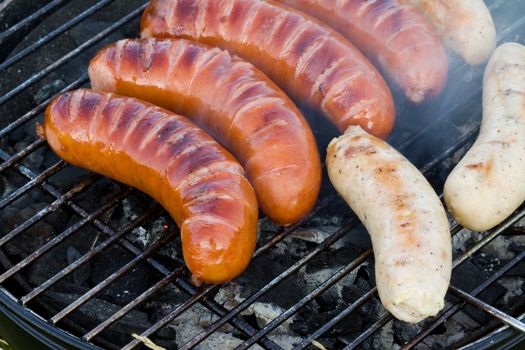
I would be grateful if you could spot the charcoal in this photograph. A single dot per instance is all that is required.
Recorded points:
(123, 290)
(518, 270)
(337, 257)
(404, 332)
(80, 275)
(68, 177)
(257, 275)
(46, 267)
(96, 311)
(28, 240)
(467, 277)
(49, 90)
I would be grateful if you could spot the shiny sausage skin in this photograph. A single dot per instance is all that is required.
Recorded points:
(234, 102)
(311, 62)
(168, 157)
(405, 218)
(396, 37)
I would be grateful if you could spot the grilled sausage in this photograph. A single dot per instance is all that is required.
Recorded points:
(488, 184)
(167, 156)
(405, 219)
(233, 101)
(311, 62)
(396, 37)
(465, 26)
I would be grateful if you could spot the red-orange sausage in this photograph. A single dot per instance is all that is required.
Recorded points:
(310, 61)
(232, 100)
(396, 37)
(170, 158)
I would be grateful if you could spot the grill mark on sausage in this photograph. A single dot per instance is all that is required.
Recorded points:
(221, 166)
(248, 20)
(134, 121)
(225, 93)
(97, 116)
(390, 16)
(74, 103)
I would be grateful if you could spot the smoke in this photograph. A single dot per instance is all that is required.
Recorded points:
(426, 131)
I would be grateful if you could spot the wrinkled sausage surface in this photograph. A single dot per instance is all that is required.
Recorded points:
(168, 157)
(395, 36)
(234, 102)
(314, 64)
(404, 217)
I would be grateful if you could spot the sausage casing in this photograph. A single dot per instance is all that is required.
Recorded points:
(404, 217)
(488, 184)
(465, 26)
(167, 156)
(396, 37)
(234, 102)
(314, 64)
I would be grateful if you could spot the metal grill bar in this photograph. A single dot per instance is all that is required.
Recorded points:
(35, 111)
(53, 34)
(21, 154)
(30, 19)
(278, 279)
(90, 254)
(480, 304)
(483, 242)
(70, 55)
(492, 337)
(292, 269)
(48, 209)
(207, 290)
(445, 315)
(61, 237)
(113, 277)
(211, 305)
(311, 296)
(330, 324)
(354, 306)
(130, 306)
(162, 322)
(33, 183)
(455, 229)
(175, 313)
(385, 318)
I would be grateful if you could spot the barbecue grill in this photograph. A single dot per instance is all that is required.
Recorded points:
(88, 263)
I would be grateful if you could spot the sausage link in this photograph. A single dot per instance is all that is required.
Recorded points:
(465, 26)
(396, 37)
(488, 184)
(168, 157)
(234, 102)
(405, 218)
(310, 61)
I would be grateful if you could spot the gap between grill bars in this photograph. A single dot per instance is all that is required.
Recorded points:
(233, 316)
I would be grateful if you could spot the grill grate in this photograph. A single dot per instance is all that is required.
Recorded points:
(62, 200)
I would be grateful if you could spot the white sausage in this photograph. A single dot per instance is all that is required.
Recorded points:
(465, 26)
(405, 218)
(488, 184)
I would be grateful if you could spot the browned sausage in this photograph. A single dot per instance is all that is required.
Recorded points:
(310, 61)
(394, 36)
(232, 100)
(174, 161)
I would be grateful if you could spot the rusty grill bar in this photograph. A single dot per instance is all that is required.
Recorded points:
(176, 276)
